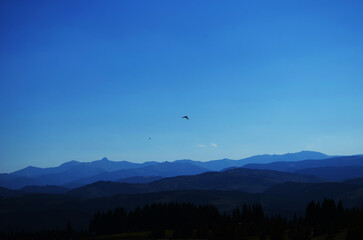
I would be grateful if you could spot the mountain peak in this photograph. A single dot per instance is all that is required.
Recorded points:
(308, 151)
(312, 153)
(31, 167)
(70, 163)
(101, 161)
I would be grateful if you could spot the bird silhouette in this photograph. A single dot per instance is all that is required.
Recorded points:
(185, 117)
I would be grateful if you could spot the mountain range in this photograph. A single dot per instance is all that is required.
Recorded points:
(74, 174)
(282, 187)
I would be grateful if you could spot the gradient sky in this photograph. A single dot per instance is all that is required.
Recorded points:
(80, 80)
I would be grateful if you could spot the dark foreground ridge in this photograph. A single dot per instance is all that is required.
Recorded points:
(325, 220)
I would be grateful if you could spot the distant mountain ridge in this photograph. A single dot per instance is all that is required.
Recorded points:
(342, 161)
(74, 174)
(65, 173)
(101, 165)
(164, 169)
(217, 165)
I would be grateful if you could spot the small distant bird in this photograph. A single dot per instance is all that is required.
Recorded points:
(185, 117)
(149, 138)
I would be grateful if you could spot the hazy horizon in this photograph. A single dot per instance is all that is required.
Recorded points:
(86, 79)
(169, 160)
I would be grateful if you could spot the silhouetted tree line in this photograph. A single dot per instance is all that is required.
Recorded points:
(329, 218)
(191, 221)
(185, 220)
(326, 218)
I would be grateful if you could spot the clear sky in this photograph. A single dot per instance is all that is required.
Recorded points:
(80, 80)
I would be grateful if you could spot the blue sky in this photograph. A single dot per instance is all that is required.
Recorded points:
(86, 79)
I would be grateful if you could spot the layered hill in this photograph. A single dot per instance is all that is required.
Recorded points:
(295, 195)
(239, 179)
(48, 189)
(334, 173)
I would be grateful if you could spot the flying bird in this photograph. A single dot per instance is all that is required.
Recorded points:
(185, 117)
